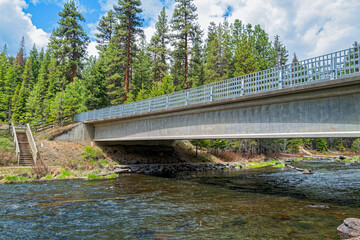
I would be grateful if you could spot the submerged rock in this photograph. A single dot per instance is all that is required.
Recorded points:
(350, 228)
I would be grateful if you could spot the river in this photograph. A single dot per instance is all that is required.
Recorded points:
(265, 203)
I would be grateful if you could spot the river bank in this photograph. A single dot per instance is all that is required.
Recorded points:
(68, 160)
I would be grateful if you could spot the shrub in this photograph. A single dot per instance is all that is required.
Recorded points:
(48, 176)
(91, 153)
(93, 176)
(64, 174)
(355, 147)
(321, 145)
(293, 145)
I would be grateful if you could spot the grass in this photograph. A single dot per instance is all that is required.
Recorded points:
(94, 176)
(48, 176)
(281, 165)
(64, 174)
(112, 176)
(257, 164)
(15, 179)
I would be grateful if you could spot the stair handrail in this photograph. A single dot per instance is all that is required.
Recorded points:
(17, 147)
(32, 143)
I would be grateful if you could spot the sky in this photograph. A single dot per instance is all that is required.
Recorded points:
(308, 28)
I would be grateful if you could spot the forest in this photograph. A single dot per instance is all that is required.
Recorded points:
(53, 84)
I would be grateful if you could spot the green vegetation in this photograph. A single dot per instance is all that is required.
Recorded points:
(64, 174)
(6, 145)
(49, 177)
(355, 147)
(92, 153)
(321, 145)
(15, 179)
(52, 85)
(93, 176)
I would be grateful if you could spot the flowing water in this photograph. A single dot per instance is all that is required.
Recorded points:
(266, 203)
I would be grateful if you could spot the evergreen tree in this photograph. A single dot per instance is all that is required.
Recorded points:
(19, 110)
(281, 52)
(164, 87)
(185, 28)
(142, 69)
(35, 62)
(20, 59)
(36, 102)
(114, 65)
(158, 47)
(218, 53)
(69, 102)
(69, 41)
(196, 68)
(106, 28)
(3, 70)
(95, 85)
(127, 29)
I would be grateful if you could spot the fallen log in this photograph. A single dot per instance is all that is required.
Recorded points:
(304, 171)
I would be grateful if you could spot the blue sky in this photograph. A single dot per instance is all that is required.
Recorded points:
(307, 27)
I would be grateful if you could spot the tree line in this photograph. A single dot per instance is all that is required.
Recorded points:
(56, 83)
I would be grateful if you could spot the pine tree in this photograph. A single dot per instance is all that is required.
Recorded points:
(142, 69)
(281, 52)
(3, 70)
(161, 88)
(185, 28)
(158, 47)
(69, 41)
(35, 105)
(95, 85)
(127, 29)
(19, 110)
(114, 64)
(20, 59)
(218, 53)
(35, 62)
(196, 68)
(106, 28)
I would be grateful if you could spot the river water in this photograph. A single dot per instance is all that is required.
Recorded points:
(266, 203)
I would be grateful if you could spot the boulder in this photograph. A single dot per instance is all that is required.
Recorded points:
(350, 228)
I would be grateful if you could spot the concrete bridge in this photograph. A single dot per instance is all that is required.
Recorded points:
(318, 97)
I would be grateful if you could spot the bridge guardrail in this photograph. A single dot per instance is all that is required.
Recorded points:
(326, 67)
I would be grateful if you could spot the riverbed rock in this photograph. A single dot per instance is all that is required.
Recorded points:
(350, 228)
(307, 171)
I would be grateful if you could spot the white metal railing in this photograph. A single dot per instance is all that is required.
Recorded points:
(16, 142)
(326, 67)
(32, 143)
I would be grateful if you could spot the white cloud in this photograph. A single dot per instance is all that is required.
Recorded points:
(297, 22)
(14, 24)
(107, 5)
(92, 51)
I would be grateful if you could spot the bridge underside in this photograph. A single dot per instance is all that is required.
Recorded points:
(327, 109)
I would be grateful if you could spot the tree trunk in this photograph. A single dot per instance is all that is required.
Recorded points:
(186, 55)
(127, 68)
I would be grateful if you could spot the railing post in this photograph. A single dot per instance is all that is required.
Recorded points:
(242, 87)
(212, 93)
(167, 101)
(280, 80)
(122, 110)
(334, 66)
(150, 105)
(186, 97)
(135, 108)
